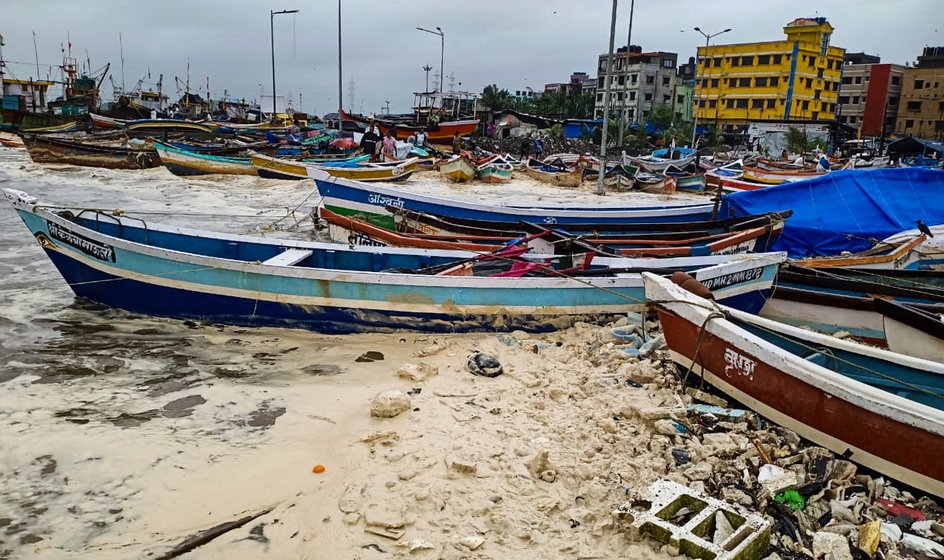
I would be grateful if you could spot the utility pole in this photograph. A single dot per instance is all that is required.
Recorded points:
(272, 15)
(629, 43)
(340, 86)
(601, 190)
(427, 68)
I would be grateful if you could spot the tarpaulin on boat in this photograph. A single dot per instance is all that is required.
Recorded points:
(846, 210)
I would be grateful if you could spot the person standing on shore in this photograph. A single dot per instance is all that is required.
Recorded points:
(525, 151)
(456, 144)
(390, 145)
(421, 138)
(370, 139)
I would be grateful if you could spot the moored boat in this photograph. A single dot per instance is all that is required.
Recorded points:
(143, 267)
(660, 159)
(561, 175)
(48, 149)
(184, 163)
(878, 408)
(356, 168)
(435, 132)
(11, 140)
(495, 172)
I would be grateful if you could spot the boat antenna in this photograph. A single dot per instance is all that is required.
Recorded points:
(121, 49)
(36, 54)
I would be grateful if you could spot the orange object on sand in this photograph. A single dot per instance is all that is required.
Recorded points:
(318, 469)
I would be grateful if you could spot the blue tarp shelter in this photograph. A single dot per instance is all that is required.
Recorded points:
(846, 210)
(574, 128)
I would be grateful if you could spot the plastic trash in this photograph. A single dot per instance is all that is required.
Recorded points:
(652, 345)
(870, 534)
(774, 478)
(792, 499)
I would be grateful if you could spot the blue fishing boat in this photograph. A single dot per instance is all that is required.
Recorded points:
(125, 262)
(346, 197)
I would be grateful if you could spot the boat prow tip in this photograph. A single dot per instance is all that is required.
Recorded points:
(19, 197)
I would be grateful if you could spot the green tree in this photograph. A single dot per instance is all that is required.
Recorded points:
(660, 117)
(496, 99)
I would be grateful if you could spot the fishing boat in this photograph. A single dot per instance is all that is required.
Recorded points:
(893, 253)
(904, 318)
(71, 126)
(556, 174)
(881, 409)
(652, 182)
(101, 121)
(124, 261)
(495, 172)
(160, 127)
(227, 147)
(731, 170)
(686, 180)
(357, 168)
(435, 132)
(346, 197)
(660, 159)
(48, 149)
(778, 176)
(11, 140)
(458, 169)
(351, 229)
(184, 163)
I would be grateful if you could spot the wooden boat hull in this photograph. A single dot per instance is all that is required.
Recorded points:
(275, 168)
(10, 140)
(563, 178)
(492, 174)
(778, 177)
(436, 132)
(44, 149)
(351, 197)
(457, 169)
(182, 163)
(159, 127)
(897, 436)
(332, 288)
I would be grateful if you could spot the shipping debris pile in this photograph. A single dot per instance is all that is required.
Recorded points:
(556, 444)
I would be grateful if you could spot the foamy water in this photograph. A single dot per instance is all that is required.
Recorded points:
(120, 435)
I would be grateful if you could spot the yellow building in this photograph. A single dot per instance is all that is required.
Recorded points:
(792, 80)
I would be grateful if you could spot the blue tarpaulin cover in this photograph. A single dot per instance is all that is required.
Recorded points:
(846, 210)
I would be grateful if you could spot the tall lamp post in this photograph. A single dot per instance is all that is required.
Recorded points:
(427, 68)
(707, 40)
(442, 48)
(272, 15)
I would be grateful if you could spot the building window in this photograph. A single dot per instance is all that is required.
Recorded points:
(909, 123)
(650, 80)
(717, 62)
(648, 97)
(776, 59)
(665, 81)
(771, 103)
(747, 61)
(680, 99)
(774, 82)
(919, 84)
(599, 98)
(940, 105)
(763, 59)
(842, 120)
(939, 126)
(914, 106)
(632, 79)
(729, 103)
(811, 61)
(806, 105)
(892, 101)
(715, 82)
(853, 119)
(843, 99)
(632, 96)
(760, 82)
(858, 79)
(630, 113)
(819, 73)
(824, 45)
(744, 82)
(621, 80)
(896, 80)
(855, 100)
(734, 61)
(668, 63)
(757, 104)
(847, 79)
(712, 104)
(666, 99)
(704, 83)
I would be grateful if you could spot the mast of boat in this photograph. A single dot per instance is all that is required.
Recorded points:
(121, 50)
(601, 190)
(340, 83)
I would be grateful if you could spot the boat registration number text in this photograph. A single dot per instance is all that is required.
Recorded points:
(732, 278)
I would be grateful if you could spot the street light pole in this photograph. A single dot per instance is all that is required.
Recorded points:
(340, 86)
(442, 50)
(697, 103)
(272, 15)
(427, 68)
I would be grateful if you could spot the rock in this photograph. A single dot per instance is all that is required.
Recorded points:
(549, 475)
(681, 456)
(351, 518)
(419, 544)
(350, 501)
(538, 465)
(472, 542)
(508, 340)
(830, 546)
(417, 372)
(699, 471)
(774, 478)
(462, 466)
(388, 404)
(707, 398)
(736, 496)
(484, 365)
(371, 356)
(386, 516)
(719, 443)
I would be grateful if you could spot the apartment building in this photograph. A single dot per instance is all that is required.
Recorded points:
(640, 82)
(921, 109)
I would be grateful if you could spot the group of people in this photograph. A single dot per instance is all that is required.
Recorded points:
(376, 143)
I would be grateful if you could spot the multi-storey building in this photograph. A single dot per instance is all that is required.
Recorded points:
(682, 102)
(921, 110)
(796, 79)
(869, 94)
(580, 82)
(639, 82)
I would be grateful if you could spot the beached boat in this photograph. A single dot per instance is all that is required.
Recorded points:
(731, 170)
(357, 168)
(495, 172)
(48, 149)
(435, 131)
(11, 140)
(350, 229)
(71, 126)
(893, 253)
(652, 182)
(347, 197)
(903, 317)
(458, 169)
(560, 175)
(778, 176)
(686, 180)
(184, 163)
(660, 159)
(101, 121)
(881, 409)
(123, 261)
(160, 127)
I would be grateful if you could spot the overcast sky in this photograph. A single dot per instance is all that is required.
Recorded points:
(512, 43)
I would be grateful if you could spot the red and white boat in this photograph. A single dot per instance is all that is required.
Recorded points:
(878, 408)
